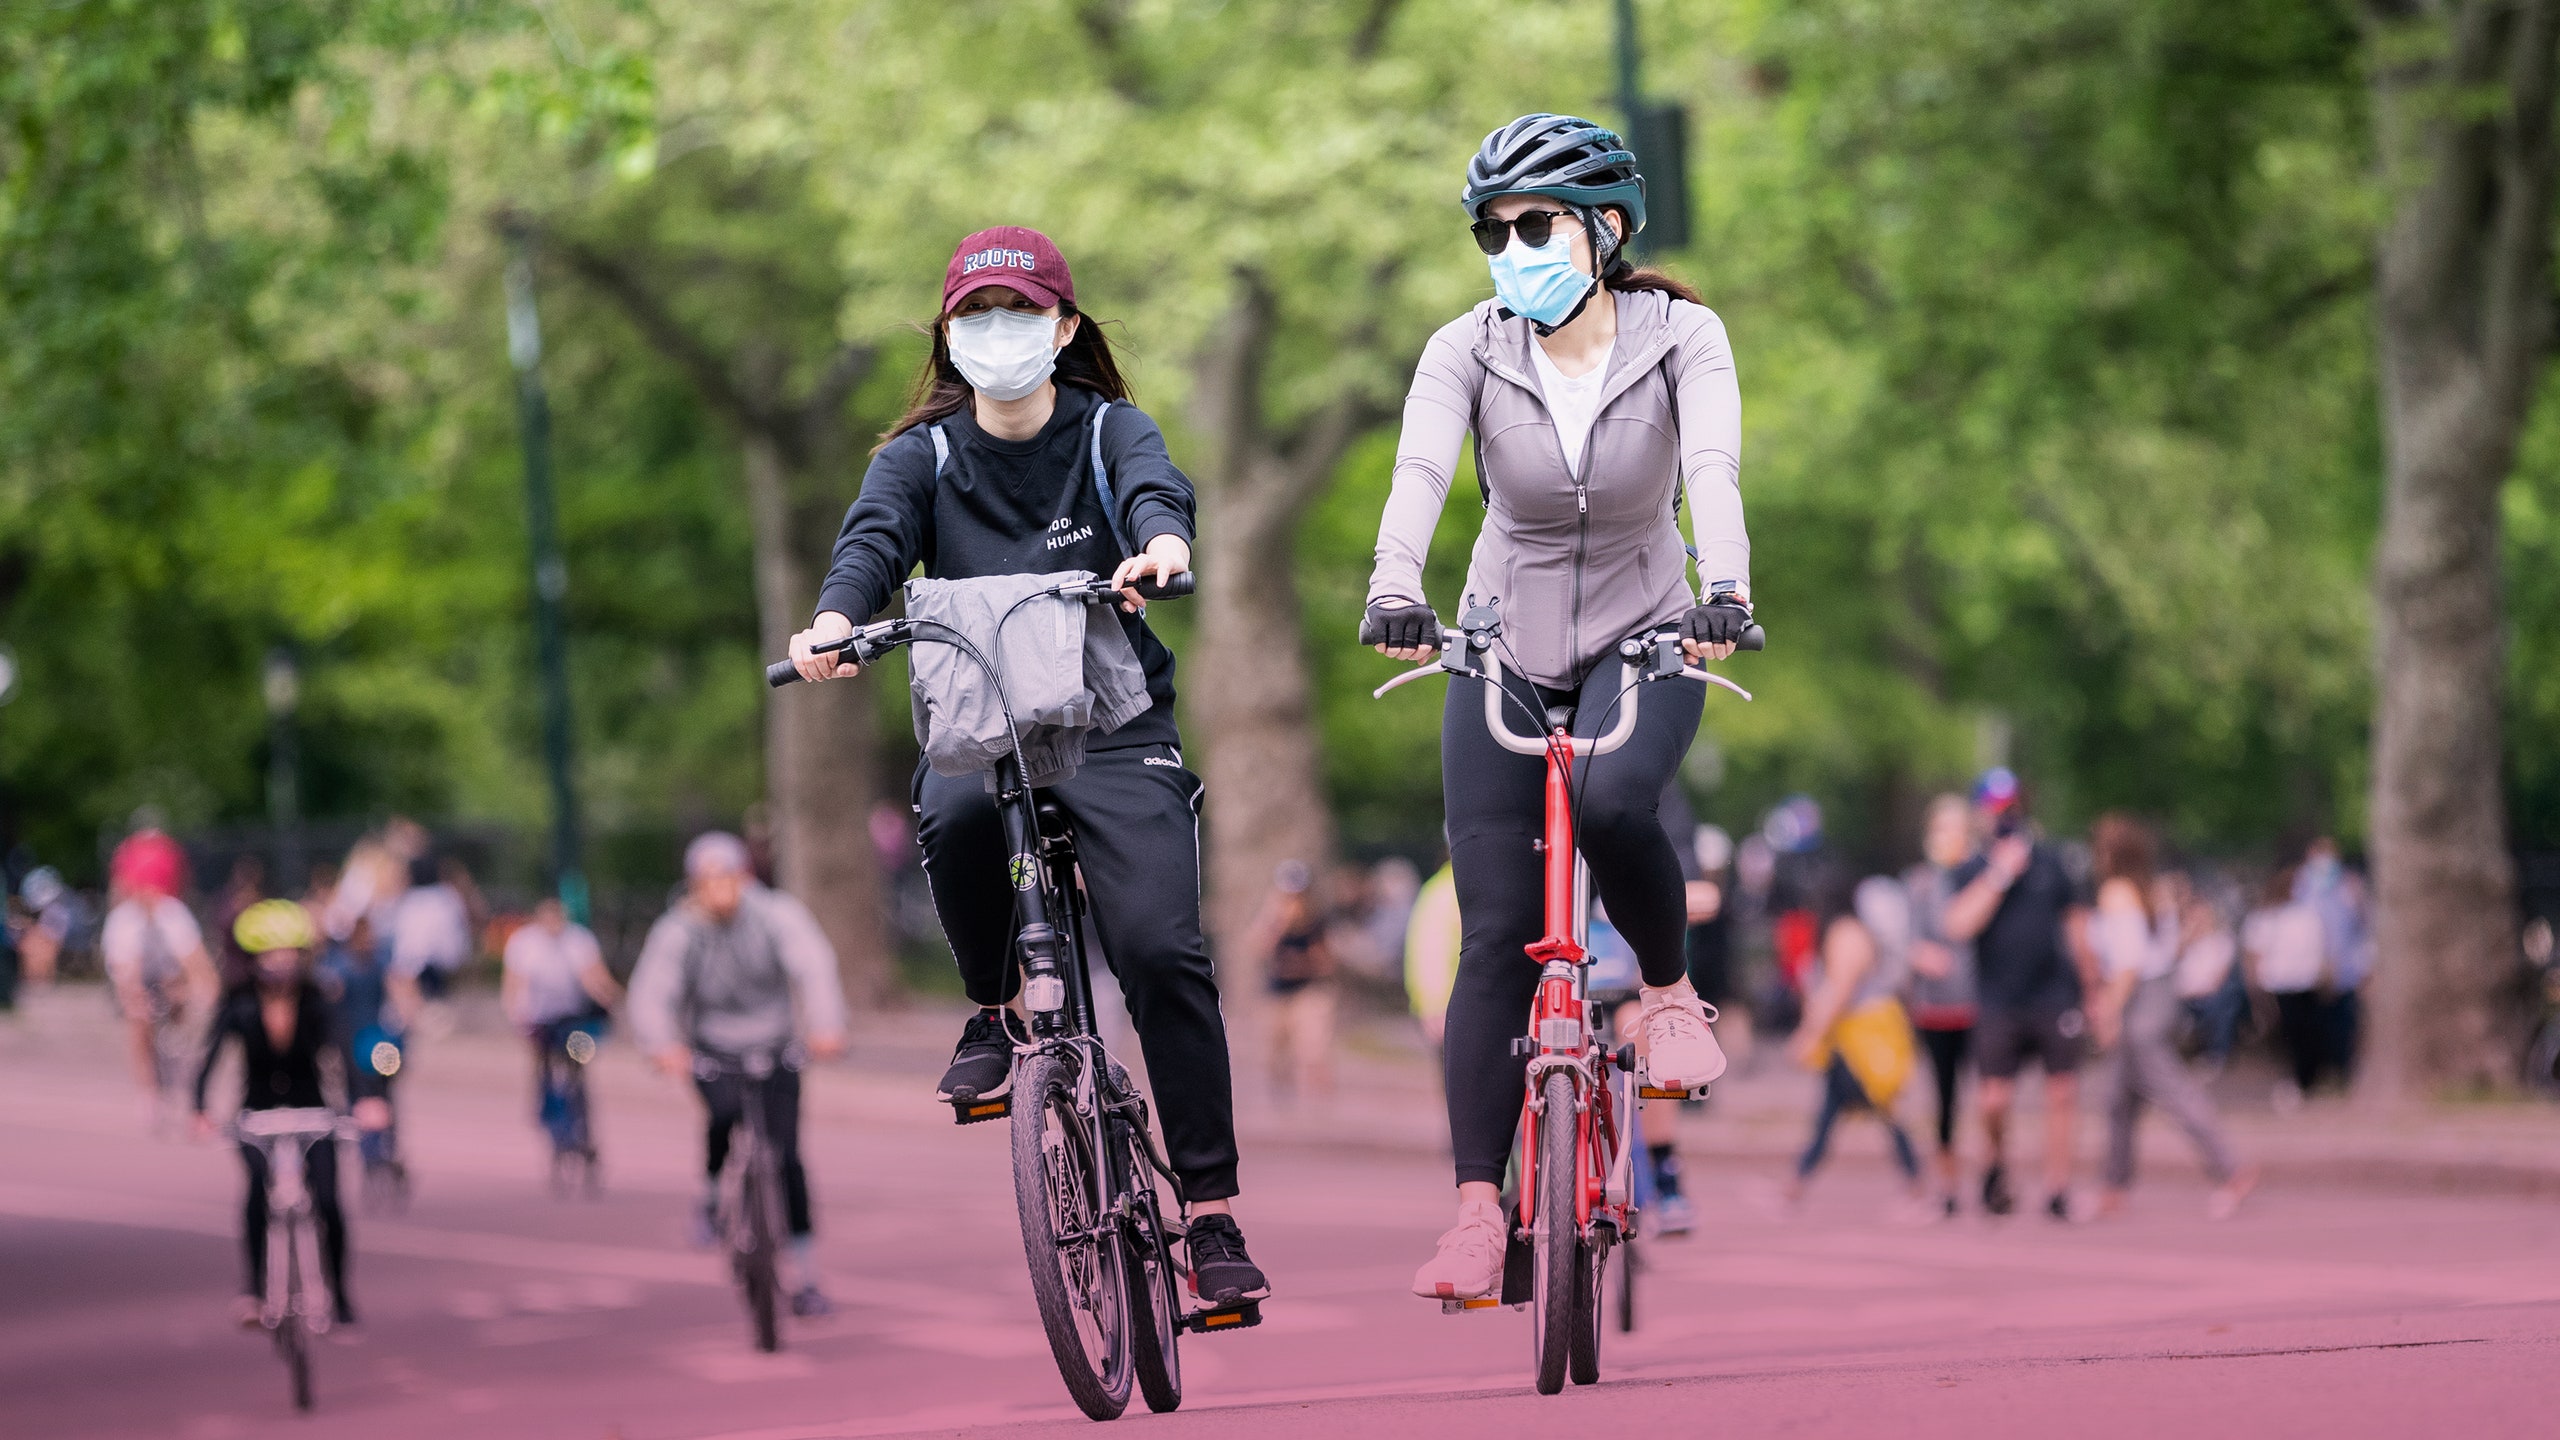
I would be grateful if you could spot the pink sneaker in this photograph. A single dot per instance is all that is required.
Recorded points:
(1681, 1052)
(1469, 1265)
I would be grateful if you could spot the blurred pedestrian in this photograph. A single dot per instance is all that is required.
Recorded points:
(1298, 968)
(1708, 945)
(2336, 893)
(736, 969)
(355, 973)
(2139, 928)
(2015, 902)
(154, 952)
(1941, 994)
(56, 927)
(2209, 975)
(431, 931)
(2288, 957)
(1854, 1033)
(1393, 884)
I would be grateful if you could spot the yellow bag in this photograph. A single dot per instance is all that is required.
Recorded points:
(1875, 1042)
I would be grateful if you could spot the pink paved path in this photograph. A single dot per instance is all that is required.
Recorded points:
(494, 1311)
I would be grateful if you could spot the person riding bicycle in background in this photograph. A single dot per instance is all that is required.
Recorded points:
(991, 472)
(1593, 388)
(555, 973)
(719, 974)
(154, 953)
(282, 1022)
(355, 977)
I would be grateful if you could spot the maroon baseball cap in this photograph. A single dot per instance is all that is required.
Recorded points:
(1010, 255)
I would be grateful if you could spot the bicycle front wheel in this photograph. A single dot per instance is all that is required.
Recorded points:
(757, 1241)
(1076, 1255)
(1555, 1306)
(1155, 1302)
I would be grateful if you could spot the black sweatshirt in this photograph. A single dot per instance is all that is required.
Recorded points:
(1017, 507)
(272, 1078)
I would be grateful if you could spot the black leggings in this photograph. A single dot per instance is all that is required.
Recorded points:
(726, 1098)
(1496, 807)
(1137, 822)
(1946, 1061)
(320, 1175)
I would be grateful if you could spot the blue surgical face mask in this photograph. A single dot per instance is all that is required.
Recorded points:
(1540, 283)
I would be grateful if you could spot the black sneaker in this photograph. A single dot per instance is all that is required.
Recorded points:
(1221, 1273)
(982, 1067)
(1996, 1199)
(809, 1301)
(2058, 1205)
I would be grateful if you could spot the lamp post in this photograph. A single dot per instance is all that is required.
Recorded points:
(550, 571)
(1658, 133)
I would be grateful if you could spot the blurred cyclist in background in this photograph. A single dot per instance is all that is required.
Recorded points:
(281, 1021)
(370, 1031)
(155, 957)
(718, 974)
(555, 977)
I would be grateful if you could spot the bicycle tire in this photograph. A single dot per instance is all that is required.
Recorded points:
(1628, 1265)
(757, 1274)
(1556, 1239)
(1056, 1171)
(1155, 1301)
(1590, 1315)
(293, 1341)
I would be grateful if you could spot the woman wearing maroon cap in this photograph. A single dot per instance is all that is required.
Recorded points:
(992, 472)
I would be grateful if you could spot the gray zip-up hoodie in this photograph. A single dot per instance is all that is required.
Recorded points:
(1575, 561)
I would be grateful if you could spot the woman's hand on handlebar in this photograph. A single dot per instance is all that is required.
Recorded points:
(1710, 632)
(1401, 631)
(1165, 557)
(828, 626)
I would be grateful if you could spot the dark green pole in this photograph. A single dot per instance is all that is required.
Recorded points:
(1630, 90)
(550, 572)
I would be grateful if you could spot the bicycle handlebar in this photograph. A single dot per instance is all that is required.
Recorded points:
(1640, 662)
(868, 642)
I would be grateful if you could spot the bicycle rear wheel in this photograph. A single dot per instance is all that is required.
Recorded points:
(1592, 1274)
(293, 1339)
(1556, 1239)
(1077, 1257)
(1155, 1300)
(1628, 1265)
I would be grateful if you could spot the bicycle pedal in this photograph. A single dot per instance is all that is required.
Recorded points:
(1243, 1315)
(978, 1112)
(1461, 1307)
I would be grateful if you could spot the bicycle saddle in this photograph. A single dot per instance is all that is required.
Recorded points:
(1052, 818)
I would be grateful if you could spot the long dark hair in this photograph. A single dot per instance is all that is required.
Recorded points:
(2123, 849)
(940, 389)
(1624, 274)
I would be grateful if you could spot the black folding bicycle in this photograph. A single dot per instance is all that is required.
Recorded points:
(1105, 1272)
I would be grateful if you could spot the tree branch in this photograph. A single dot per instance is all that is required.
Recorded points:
(619, 283)
(1372, 33)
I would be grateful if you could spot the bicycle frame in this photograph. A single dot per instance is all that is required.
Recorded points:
(1565, 1032)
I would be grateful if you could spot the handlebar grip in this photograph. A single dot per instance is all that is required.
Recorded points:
(1173, 589)
(1754, 638)
(780, 673)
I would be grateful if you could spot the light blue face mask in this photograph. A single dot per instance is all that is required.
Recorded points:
(1539, 283)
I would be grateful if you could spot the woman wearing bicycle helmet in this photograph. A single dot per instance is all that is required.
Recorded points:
(1602, 399)
(992, 471)
(282, 1023)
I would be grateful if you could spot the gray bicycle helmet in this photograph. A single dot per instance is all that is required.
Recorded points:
(1563, 157)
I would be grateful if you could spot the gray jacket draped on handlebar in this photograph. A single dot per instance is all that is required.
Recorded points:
(1066, 679)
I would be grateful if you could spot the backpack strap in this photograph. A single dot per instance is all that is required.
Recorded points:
(941, 451)
(1102, 484)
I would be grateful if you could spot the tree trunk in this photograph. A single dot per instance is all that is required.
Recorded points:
(818, 752)
(2465, 314)
(1249, 691)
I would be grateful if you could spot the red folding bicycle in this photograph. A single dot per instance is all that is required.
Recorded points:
(1574, 1159)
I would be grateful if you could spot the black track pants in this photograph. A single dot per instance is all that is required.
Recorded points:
(1496, 807)
(1137, 822)
(725, 1104)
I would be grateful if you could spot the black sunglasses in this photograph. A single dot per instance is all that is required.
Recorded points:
(1494, 236)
